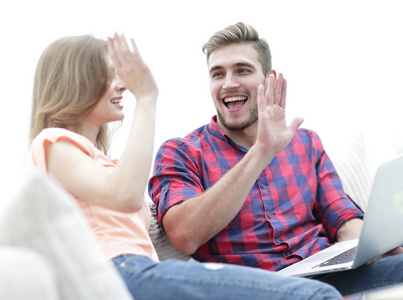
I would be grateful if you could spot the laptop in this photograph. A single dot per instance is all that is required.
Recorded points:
(381, 231)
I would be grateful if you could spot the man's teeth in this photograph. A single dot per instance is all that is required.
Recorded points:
(115, 101)
(232, 99)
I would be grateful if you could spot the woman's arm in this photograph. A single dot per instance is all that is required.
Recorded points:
(120, 188)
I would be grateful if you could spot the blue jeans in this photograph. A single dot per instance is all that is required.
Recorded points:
(176, 279)
(383, 272)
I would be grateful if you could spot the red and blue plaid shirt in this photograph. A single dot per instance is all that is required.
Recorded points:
(293, 211)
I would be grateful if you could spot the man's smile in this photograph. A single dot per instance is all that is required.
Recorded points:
(233, 102)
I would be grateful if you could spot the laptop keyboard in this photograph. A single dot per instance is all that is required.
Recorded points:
(344, 257)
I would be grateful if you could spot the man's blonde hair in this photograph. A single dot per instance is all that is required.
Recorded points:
(237, 34)
(72, 74)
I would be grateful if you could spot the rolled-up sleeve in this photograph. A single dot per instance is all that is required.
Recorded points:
(332, 207)
(176, 177)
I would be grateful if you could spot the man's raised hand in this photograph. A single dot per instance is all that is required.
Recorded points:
(273, 133)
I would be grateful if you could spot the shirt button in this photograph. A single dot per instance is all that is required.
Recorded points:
(269, 215)
(278, 241)
(262, 185)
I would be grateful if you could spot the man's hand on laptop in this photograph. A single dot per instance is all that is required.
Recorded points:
(351, 230)
(395, 251)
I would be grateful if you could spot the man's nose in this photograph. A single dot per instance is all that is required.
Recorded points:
(230, 82)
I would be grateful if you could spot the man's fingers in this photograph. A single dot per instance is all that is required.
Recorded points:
(261, 103)
(270, 90)
(278, 90)
(283, 94)
(295, 124)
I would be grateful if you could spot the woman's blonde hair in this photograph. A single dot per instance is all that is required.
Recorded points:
(72, 74)
(240, 33)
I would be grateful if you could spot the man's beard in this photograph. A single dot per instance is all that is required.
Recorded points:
(253, 116)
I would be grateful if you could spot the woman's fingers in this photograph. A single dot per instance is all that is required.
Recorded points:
(134, 46)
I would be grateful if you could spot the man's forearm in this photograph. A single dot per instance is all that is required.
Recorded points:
(351, 229)
(194, 222)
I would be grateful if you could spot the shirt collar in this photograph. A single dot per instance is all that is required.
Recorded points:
(218, 133)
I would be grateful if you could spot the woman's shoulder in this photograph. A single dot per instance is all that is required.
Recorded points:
(54, 132)
(52, 135)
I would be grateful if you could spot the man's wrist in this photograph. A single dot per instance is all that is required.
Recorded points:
(261, 156)
(351, 229)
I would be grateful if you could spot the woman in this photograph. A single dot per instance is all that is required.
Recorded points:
(78, 90)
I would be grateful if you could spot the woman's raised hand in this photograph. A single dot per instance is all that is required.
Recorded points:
(131, 68)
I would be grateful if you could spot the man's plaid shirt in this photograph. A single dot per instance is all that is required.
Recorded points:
(293, 211)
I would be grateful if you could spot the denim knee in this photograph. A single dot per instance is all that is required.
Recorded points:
(175, 279)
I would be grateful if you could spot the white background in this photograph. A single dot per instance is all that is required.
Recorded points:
(342, 59)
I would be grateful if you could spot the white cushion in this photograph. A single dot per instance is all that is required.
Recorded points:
(351, 162)
(160, 240)
(25, 274)
(45, 218)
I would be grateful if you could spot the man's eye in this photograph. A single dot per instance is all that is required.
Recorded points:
(217, 74)
(243, 71)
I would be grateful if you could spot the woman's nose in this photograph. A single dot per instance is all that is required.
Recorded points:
(119, 84)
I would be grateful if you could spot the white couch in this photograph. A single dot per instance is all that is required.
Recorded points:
(47, 251)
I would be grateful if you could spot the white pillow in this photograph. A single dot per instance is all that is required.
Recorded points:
(25, 274)
(351, 162)
(45, 218)
(160, 240)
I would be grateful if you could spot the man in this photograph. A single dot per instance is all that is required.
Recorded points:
(247, 189)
